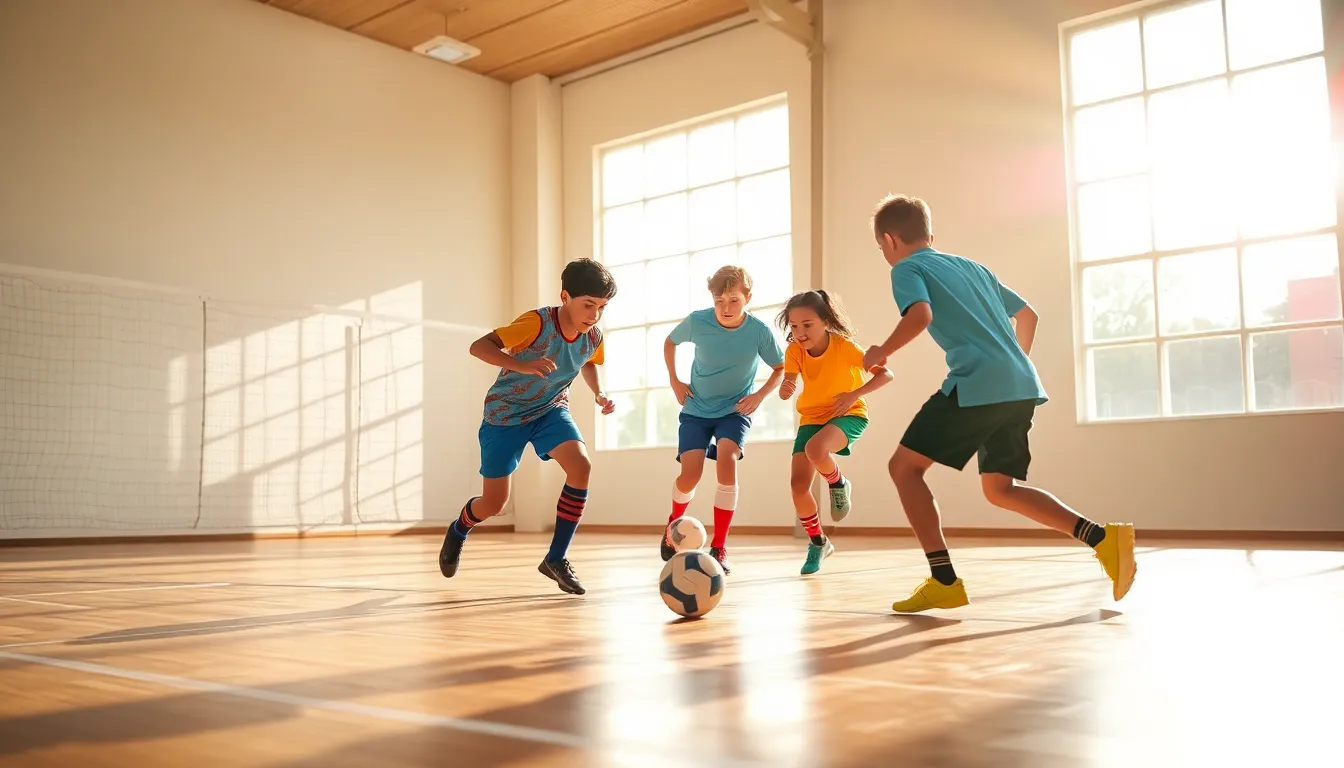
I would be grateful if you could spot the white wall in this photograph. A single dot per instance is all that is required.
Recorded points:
(963, 107)
(246, 153)
(718, 73)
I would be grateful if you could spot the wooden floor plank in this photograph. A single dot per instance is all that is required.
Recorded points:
(356, 652)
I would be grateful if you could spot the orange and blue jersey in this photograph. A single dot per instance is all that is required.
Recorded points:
(519, 398)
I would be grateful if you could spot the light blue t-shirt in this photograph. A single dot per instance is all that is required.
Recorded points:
(725, 360)
(971, 311)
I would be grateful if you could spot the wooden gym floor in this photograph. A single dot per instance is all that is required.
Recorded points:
(336, 652)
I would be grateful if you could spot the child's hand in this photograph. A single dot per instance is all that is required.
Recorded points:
(843, 403)
(748, 405)
(787, 389)
(874, 357)
(541, 367)
(681, 390)
(607, 404)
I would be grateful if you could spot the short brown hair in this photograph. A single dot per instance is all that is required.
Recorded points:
(903, 216)
(728, 278)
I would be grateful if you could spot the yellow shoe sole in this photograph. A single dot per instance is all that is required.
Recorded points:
(1125, 566)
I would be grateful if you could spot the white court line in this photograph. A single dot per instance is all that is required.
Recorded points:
(643, 755)
(202, 585)
(929, 688)
(42, 602)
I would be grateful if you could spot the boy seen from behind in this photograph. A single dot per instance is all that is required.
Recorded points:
(984, 407)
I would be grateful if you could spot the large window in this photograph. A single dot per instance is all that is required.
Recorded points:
(1204, 210)
(674, 207)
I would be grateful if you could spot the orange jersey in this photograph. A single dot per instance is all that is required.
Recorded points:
(836, 371)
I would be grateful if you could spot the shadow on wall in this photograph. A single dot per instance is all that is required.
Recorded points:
(134, 410)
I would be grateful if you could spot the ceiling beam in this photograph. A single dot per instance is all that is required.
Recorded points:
(788, 18)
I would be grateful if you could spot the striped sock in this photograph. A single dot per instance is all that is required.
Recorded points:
(568, 510)
(1089, 532)
(835, 478)
(941, 565)
(465, 521)
(812, 525)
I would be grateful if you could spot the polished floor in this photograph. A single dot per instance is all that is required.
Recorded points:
(355, 652)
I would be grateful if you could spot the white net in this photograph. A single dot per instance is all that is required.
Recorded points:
(127, 409)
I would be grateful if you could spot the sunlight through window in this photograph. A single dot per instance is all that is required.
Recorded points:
(674, 208)
(1204, 206)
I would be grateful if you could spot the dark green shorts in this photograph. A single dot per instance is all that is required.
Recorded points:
(852, 426)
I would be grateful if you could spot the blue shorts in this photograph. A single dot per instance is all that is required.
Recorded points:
(502, 447)
(701, 434)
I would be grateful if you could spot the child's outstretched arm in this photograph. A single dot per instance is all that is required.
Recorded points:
(789, 386)
(751, 402)
(490, 348)
(589, 374)
(916, 319)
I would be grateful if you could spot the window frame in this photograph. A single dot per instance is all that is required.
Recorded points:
(765, 313)
(1245, 333)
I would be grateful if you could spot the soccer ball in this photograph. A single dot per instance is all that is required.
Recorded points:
(691, 583)
(686, 533)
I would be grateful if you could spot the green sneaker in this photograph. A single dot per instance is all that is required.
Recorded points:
(815, 554)
(841, 496)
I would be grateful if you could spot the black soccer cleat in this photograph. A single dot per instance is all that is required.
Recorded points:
(562, 573)
(721, 554)
(450, 553)
(667, 550)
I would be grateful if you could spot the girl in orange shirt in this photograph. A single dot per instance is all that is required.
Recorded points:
(822, 352)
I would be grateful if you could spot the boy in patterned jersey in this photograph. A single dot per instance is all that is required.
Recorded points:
(539, 355)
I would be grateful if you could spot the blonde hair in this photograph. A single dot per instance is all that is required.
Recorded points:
(728, 278)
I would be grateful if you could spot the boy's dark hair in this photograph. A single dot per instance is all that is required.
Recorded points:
(827, 307)
(904, 217)
(585, 277)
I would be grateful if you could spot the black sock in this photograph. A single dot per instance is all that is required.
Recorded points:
(1089, 532)
(941, 565)
(819, 539)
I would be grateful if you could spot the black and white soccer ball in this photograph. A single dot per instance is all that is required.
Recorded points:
(686, 533)
(691, 583)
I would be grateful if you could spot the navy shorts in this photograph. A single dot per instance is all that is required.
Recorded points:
(502, 446)
(701, 434)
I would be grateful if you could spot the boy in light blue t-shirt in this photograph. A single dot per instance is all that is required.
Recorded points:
(984, 407)
(718, 402)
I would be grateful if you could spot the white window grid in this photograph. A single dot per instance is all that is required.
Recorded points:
(775, 420)
(1159, 341)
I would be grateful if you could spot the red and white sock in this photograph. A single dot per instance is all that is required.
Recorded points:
(680, 501)
(835, 478)
(811, 524)
(725, 503)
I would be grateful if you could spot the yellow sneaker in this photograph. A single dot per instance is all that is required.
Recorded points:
(1116, 553)
(933, 594)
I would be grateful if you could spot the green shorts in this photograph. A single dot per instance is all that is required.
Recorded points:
(852, 426)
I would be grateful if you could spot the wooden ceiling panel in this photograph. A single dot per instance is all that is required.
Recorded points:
(558, 25)
(618, 41)
(466, 21)
(339, 13)
(404, 26)
(518, 38)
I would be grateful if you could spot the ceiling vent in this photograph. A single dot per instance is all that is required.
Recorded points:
(447, 49)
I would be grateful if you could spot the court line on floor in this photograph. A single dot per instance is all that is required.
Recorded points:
(462, 724)
(195, 585)
(42, 602)
(862, 681)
